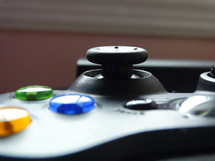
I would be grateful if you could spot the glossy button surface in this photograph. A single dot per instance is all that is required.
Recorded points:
(71, 104)
(13, 120)
(203, 106)
(34, 93)
(141, 104)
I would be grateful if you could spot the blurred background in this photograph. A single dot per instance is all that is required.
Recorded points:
(41, 40)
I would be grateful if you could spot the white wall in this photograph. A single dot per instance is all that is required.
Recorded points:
(183, 18)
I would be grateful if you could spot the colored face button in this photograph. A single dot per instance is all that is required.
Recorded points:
(71, 104)
(34, 93)
(13, 120)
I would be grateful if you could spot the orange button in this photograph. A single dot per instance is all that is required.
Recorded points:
(13, 120)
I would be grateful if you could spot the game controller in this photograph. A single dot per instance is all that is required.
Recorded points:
(112, 113)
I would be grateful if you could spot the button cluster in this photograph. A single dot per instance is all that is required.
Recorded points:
(15, 119)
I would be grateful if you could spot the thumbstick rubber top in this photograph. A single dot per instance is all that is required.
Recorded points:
(117, 55)
(116, 61)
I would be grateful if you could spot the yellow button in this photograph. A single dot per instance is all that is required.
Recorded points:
(13, 120)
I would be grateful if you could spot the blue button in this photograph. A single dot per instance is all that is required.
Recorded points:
(71, 104)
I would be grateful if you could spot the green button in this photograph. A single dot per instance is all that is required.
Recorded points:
(34, 93)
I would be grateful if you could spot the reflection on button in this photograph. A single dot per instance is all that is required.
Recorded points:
(13, 120)
(34, 93)
(71, 104)
(141, 104)
(198, 105)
